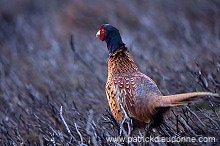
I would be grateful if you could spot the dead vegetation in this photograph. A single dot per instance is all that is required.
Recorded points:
(53, 69)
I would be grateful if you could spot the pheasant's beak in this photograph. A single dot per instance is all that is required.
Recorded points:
(98, 34)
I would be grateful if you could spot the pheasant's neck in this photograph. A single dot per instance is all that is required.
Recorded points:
(114, 42)
(121, 63)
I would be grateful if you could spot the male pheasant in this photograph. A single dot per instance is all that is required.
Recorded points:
(131, 93)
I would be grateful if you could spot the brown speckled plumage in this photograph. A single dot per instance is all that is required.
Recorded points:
(135, 90)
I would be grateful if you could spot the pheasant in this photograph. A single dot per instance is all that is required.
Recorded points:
(132, 94)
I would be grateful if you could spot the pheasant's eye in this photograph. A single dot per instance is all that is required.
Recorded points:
(102, 33)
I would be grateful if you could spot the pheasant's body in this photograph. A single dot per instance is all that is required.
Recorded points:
(131, 93)
(128, 90)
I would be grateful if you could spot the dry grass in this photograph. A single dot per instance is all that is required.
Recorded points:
(53, 94)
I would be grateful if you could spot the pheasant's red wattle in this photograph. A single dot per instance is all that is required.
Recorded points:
(102, 33)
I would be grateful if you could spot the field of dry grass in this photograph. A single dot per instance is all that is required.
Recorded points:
(52, 93)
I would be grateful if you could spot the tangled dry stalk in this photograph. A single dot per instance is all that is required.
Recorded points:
(53, 69)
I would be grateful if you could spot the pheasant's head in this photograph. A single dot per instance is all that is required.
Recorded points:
(111, 36)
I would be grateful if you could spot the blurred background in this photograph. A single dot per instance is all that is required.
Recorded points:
(176, 43)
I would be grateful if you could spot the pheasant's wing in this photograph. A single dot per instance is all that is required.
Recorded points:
(145, 94)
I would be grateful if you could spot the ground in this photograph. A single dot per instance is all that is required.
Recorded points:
(53, 69)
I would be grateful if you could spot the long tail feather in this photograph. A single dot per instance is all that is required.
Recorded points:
(182, 99)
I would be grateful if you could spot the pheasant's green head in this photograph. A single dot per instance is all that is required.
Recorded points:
(111, 36)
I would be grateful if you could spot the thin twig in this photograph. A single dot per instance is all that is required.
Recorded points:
(64, 122)
(80, 135)
(89, 121)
